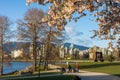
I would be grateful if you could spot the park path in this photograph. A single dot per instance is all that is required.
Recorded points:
(86, 75)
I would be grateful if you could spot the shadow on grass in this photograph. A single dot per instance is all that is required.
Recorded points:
(60, 77)
(116, 75)
(71, 77)
(100, 77)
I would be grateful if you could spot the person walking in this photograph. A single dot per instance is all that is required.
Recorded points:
(77, 66)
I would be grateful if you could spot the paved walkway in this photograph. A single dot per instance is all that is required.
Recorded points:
(86, 75)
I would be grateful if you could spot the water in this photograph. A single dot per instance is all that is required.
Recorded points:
(15, 66)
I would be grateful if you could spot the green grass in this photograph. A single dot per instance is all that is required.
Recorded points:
(46, 73)
(112, 68)
(61, 77)
(106, 67)
(36, 74)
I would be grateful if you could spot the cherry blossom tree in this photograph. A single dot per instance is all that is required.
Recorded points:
(61, 11)
(106, 12)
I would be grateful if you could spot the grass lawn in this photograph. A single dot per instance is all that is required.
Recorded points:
(36, 74)
(112, 68)
(58, 77)
(104, 67)
(61, 77)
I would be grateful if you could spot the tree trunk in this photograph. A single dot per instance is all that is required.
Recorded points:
(35, 49)
(34, 57)
(48, 49)
(34, 65)
(1, 66)
(46, 65)
(1, 52)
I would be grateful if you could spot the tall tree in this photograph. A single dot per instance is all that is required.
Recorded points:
(30, 29)
(4, 36)
(52, 38)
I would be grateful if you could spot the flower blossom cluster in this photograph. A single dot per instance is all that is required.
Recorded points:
(107, 13)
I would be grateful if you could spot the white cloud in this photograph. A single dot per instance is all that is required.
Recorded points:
(72, 32)
(69, 30)
(75, 37)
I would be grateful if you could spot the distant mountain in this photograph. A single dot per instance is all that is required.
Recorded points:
(76, 46)
(8, 47)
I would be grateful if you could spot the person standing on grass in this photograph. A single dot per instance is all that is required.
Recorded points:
(76, 67)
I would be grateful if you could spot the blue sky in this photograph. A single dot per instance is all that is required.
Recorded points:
(79, 32)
